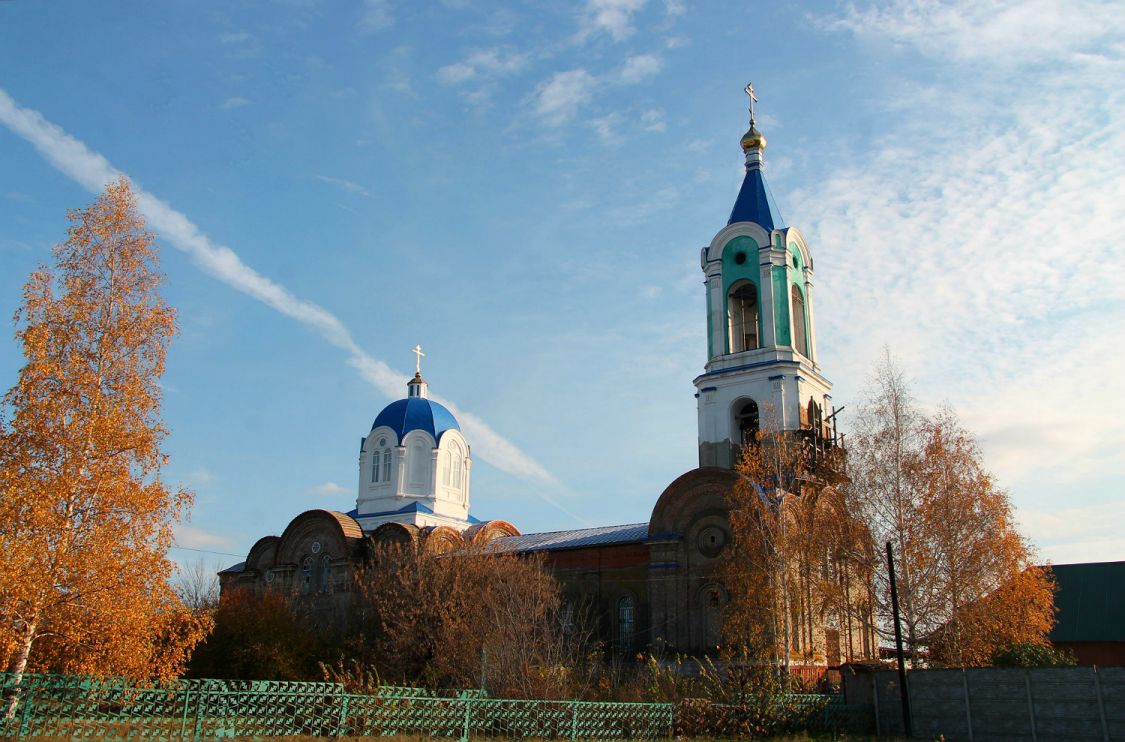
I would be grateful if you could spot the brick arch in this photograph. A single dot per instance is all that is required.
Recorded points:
(696, 491)
(441, 539)
(340, 536)
(695, 502)
(398, 534)
(483, 533)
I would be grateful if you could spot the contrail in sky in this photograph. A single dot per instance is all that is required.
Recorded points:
(92, 171)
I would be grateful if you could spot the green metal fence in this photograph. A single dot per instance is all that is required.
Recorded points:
(83, 706)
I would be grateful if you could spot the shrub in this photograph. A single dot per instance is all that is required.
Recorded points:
(1033, 655)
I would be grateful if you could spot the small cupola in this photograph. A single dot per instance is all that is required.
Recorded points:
(417, 388)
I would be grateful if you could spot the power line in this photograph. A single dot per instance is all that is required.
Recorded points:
(205, 551)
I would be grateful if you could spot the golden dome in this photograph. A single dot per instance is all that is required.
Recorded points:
(753, 139)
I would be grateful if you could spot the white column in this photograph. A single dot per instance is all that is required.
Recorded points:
(399, 472)
(434, 456)
(765, 302)
(716, 308)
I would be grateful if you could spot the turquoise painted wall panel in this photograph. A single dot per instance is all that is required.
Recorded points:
(781, 306)
(733, 272)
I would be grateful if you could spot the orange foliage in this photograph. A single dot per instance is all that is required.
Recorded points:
(458, 618)
(964, 574)
(798, 559)
(984, 586)
(85, 522)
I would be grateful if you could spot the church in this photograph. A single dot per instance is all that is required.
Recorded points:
(651, 584)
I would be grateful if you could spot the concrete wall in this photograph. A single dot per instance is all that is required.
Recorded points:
(995, 704)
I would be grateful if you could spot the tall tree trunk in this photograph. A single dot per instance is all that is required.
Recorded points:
(23, 652)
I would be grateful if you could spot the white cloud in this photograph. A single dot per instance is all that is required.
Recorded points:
(454, 74)
(346, 185)
(201, 476)
(240, 44)
(328, 488)
(1076, 534)
(235, 102)
(640, 67)
(653, 120)
(233, 38)
(189, 537)
(497, 61)
(478, 72)
(376, 15)
(557, 100)
(984, 240)
(93, 172)
(614, 17)
(1008, 33)
(605, 126)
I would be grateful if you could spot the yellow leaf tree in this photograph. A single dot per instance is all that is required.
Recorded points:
(85, 521)
(966, 579)
(798, 562)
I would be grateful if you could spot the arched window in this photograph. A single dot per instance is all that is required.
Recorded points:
(458, 457)
(625, 625)
(748, 423)
(714, 598)
(419, 463)
(448, 469)
(800, 342)
(742, 313)
(380, 452)
(306, 573)
(326, 574)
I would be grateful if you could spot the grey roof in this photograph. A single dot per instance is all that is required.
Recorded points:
(630, 533)
(240, 567)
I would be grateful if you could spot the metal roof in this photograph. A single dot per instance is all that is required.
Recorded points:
(416, 413)
(576, 539)
(1090, 602)
(755, 203)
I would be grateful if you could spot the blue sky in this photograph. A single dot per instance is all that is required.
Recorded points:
(523, 189)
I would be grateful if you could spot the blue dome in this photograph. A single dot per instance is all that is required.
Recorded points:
(416, 413)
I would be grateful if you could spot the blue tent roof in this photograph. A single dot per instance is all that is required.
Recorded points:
(416, 413)
(414, 507)
(755, 203)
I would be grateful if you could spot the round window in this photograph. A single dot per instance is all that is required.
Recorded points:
(315, 547)
(711, 541)
(382, 442)
(740, 257)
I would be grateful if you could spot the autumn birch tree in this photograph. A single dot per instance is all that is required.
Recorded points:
(798, 558)
(966, 581)
(85, 520)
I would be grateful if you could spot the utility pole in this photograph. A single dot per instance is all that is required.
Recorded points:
(898, 644)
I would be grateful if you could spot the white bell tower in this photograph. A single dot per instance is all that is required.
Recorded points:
(762, 370)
